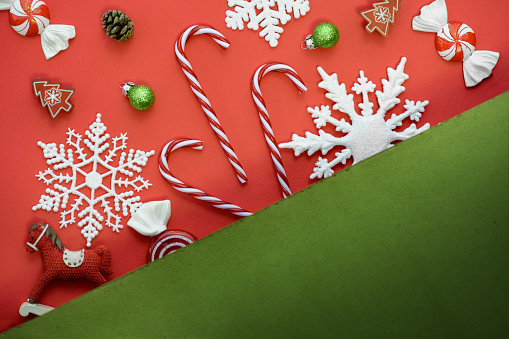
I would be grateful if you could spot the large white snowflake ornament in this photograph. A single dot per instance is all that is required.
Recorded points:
(368, 133)
(267, 14)
(86, 174)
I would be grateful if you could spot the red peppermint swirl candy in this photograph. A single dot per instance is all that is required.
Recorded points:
(455, 41)
(168, 242)
(29, 17)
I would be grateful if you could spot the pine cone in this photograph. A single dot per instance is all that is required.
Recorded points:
(118, 25)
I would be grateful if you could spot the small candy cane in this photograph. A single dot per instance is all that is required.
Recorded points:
(264, 117)
(200, 95)
(194, 192)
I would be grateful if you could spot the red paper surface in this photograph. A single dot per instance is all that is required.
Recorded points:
(94, 65)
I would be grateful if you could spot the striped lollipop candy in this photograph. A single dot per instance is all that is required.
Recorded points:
(455, 41)
(31, 17)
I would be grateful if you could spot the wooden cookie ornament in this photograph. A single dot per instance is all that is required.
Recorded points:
(52, 96)
(61, 263)
(456, 41)
(381, 15)
(31, 17)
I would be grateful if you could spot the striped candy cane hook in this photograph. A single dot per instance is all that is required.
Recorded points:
(200, 95)
(264, 117)
(194, 192)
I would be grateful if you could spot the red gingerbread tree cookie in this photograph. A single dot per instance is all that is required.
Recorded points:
(381, 15)
(52, 96)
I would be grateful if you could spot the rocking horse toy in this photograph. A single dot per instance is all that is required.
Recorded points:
(60, 263)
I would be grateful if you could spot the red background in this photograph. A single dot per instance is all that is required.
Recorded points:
(94, 65)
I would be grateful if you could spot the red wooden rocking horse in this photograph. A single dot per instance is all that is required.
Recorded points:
(60, 263)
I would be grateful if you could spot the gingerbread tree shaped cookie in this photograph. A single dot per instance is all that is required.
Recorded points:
(52, 96)
(381, 15)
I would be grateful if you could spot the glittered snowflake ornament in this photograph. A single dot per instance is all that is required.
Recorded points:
(368, 133)
(267, 14)
(96, 179)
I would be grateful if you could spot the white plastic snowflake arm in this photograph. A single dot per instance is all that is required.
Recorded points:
(117, 225)
(129, 205)
(323, 116)
(90, 221)
(56, 155)
(413, 110)
(49, 176)
(364, 86)
(116, 147)
(337, 93)
(243, 11)
(392, 88)
(270, 20)
(409, 132)
(133, 159)
(323, 168)
(52, 201)
(299, 7)
(64, 221)
(76, 144)
(96, 139)
(312, 143)
(260, 13)
(133, 183)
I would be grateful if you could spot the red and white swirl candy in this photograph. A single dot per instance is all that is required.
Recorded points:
(456, 41)
(168, 242)
(31, 17)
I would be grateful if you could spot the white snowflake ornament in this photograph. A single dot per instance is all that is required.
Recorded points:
(267, 14)
(368, 133)
(86, 180)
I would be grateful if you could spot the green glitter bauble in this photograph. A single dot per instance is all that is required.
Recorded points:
(325, 35)
(141, 97)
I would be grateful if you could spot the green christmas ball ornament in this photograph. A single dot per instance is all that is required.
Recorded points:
(325, 35)
(141, 97)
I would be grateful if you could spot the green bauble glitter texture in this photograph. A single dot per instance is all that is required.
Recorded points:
(141, 97)
(325, 35)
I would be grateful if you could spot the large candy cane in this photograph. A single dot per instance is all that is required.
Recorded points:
(200, 95)
(194, 192)
(264, 117)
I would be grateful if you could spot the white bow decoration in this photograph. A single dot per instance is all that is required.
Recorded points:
(151, 218)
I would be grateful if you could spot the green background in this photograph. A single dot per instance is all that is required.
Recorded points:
(410, 243)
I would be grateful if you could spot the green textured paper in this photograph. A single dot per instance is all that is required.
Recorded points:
(410, 243)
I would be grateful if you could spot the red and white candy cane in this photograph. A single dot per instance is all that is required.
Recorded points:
(264, 116)
(168, 242)
(200, 95)
(194, 192)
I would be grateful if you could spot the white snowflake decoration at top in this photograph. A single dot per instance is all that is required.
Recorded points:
(85, 207)
(260, 13)
(368, 133)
